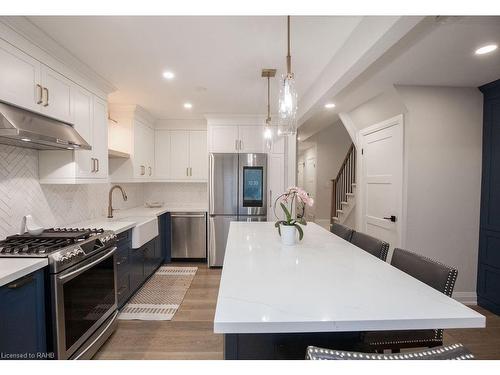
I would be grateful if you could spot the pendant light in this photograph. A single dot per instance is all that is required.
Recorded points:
(268, 128)
(288, 96)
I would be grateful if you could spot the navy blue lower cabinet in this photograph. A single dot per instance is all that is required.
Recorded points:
(164, 237)
(488, 283)
(123, 267)
(22, 318)
(136, 269)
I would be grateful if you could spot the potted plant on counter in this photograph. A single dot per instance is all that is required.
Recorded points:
(290, 201)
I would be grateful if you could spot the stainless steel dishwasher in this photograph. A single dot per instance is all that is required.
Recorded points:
(189, 235)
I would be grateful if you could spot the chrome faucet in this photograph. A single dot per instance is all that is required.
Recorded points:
(110, 201)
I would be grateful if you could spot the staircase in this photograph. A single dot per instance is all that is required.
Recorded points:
(344, 189)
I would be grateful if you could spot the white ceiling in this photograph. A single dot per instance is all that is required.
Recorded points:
(438, 52)
(217, 60)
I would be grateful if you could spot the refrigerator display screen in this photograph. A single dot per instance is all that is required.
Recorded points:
(253, 180)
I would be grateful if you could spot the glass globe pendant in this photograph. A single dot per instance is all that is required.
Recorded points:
(287, 97)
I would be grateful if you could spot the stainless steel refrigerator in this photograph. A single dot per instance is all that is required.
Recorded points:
(237, 192)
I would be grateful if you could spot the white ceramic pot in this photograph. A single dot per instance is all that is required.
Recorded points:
(288, 234)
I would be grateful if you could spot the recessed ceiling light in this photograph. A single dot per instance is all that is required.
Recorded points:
(329, 105)
(26, 139)
(486, 49)
(188, 105)
(168, 75)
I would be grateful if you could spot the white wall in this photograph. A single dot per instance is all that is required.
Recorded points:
(443, 145)
(176, 193)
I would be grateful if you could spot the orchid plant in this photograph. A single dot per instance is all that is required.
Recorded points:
(293, 197)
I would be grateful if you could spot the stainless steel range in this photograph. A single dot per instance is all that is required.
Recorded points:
(82, 273)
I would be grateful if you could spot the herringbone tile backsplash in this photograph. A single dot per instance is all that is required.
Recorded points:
(50, 205)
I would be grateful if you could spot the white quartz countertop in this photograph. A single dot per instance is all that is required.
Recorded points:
(134, 214)
(323, 284)
(13, 268)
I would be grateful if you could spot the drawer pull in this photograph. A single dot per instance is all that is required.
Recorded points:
(20, 283)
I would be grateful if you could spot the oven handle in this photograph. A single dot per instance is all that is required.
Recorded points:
(84, 268)
(98, 337)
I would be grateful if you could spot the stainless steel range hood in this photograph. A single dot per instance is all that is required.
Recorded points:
(22, 128)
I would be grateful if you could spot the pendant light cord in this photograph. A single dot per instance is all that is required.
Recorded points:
(288, 56)
(268, 120)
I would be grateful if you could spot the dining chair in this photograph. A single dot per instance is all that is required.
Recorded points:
(431, 272)
(342, 231)
(455, 351)
(370, 244)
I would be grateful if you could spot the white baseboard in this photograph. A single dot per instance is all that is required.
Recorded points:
(467, 298)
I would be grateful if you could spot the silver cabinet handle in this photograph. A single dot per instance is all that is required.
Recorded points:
(143, 170)
(92, 160)
(190, 172)
(236, 144)
(40, 94)
(46, 90)
(98, 166)
(270, 198)
(150, 171)
(187, 172)
(241, 144)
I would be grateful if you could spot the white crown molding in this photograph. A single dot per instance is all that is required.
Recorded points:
(50, 50)
(131, 111)
(235, 119)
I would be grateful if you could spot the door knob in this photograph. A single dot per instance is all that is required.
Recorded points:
(391, 218)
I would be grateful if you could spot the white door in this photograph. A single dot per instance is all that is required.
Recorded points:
(81, 101)
(310, 184)
(179, 166)
(162, 154)
(223, 138)
(100, 137)
(198, 156)
(19, 77)
(251, 138)
(382, 180)
(276, 178)
(56, 94)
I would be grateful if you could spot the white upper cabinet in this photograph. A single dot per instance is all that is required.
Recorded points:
(232, 138)
(181, 155)
(89, 116)
(251, 138)
(19, 78)
(162, 154)
(137, 137)
(56, 95)
(223, 138)
(83, 119)
(198, 155)
(100, 137)
(179, 159)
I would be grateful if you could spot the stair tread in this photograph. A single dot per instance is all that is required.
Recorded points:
(340, 211)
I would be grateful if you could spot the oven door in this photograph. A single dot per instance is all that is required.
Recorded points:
(84, 296)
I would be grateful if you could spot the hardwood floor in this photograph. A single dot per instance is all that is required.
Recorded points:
(190, 334)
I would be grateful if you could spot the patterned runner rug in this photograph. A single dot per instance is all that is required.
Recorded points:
(160, 297)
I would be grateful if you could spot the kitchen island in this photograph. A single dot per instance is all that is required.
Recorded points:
(274, 300)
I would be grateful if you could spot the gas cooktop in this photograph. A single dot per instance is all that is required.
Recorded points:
(63, 246)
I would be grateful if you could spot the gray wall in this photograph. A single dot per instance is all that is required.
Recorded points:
(443, 145)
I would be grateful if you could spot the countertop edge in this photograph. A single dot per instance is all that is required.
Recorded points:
(32, 265)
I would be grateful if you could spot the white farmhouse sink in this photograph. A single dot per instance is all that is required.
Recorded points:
(146, 228)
